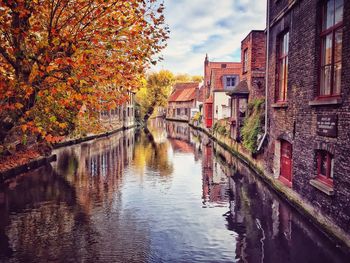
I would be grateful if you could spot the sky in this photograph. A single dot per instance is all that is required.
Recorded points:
(216, 27)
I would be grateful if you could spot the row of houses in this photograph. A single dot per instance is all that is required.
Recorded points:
(299, 67)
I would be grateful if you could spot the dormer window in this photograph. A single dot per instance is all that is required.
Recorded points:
(231, 81)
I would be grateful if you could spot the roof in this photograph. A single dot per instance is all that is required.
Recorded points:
(201, 94)
(218, 74)
(220, 65)
(240, 89)
(181, 146)
(184, 92)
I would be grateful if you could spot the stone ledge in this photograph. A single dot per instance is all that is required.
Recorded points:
(322, 187)
(31, 165)
(326, 101)
(280, 105)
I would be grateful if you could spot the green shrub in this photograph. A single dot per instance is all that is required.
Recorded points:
(253, 124)
(222, 130)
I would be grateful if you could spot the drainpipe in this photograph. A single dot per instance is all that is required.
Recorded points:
(266, 73)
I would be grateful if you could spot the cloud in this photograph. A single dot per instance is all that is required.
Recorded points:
(216, 27)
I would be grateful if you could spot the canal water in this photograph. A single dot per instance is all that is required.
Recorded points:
(162, 194)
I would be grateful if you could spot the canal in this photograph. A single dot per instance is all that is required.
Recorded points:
(164, 194)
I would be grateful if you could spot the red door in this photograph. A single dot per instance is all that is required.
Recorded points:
(209, 115)
(286, 162)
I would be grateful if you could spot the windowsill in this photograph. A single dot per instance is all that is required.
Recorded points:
(328, 190)
(326, 101)
(282, 104)
(285, 181)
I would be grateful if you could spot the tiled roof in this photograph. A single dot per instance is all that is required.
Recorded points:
(181, 146)
(218, 74)
(240, 89)
(201, 94)
(184, 92)
(221, 65)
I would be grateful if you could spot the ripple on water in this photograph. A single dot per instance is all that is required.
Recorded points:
(152, 201)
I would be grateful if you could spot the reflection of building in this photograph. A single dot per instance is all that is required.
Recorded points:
(179, 136)
(49, 213)
(215, 181)
(98, 163)
(177, 130)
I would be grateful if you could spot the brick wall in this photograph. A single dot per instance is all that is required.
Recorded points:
(296, 120)
(255, 45)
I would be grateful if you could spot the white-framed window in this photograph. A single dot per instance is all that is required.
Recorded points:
(231, 81)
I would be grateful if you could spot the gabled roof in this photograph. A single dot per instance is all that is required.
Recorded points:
(184, 92)
(218, 74)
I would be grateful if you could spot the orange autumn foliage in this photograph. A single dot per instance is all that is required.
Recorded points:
(58, 55)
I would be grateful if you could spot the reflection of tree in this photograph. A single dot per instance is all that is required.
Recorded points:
(55, 214)
(95, 168)
(39, 212)
(152, 154)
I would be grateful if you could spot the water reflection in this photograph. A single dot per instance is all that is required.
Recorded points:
(163, 194)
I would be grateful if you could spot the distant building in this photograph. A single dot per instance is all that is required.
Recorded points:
(129, 110)
(219, 78)
(182, 102)
(252, 84)
(121, 116)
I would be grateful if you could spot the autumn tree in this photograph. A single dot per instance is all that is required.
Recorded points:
(187, 78)
(58, 55)
(156, 89)
(154, 92)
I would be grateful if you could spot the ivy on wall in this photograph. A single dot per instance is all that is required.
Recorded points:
(253, 125)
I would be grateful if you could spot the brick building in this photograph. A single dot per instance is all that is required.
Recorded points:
(252, 84)
(219, 78)
(182, 101)
(309, 103)
(121, 116)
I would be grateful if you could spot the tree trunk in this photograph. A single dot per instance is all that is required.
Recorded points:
(149, 112)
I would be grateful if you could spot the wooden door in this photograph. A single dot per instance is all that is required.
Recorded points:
(286, 160)
(209, 115)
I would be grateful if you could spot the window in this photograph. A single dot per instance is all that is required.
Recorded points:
(282, 67)
(325, 164)
(245, 60)
(230, 81)
(331, 48)
(178, 111)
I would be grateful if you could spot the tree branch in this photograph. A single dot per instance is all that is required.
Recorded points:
(8, 58)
